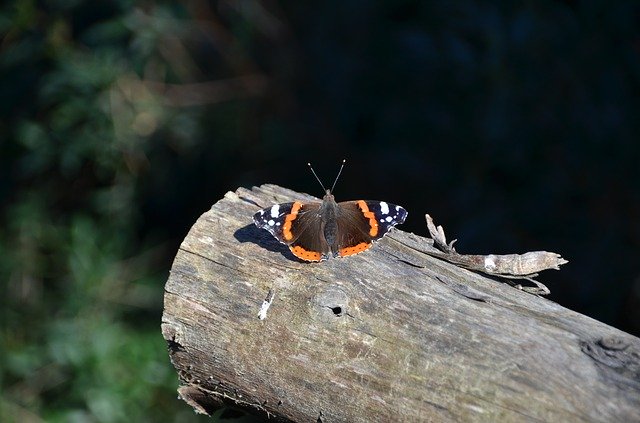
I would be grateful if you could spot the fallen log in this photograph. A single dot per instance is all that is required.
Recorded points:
(391, 334)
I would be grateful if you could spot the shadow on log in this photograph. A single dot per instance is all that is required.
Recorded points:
(390, 334)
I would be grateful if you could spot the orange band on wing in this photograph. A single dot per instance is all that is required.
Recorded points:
(300, 252)
(373, 231)
(286, 228)
(349, 251)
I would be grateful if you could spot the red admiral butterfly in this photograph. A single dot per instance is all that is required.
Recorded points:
(317, 231)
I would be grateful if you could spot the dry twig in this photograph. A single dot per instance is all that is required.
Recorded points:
(511, 266)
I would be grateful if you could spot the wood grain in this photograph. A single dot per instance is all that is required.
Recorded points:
(391, 334)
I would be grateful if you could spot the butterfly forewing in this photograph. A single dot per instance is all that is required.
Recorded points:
(387, 216)
(272, 219)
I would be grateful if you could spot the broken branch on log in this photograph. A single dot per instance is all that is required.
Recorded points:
(512, 266)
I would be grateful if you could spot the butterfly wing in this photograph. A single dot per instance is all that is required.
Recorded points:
(362, 222)
(298, 225)
(387, 216)
(272, 219)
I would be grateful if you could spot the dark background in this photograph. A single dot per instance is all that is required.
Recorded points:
(516, 126)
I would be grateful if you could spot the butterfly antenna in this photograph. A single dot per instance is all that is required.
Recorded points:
(339, 172)
(314, 174)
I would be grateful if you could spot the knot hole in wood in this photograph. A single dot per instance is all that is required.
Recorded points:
(329, 303)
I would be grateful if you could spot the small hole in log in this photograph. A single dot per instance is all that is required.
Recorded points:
(337, 310)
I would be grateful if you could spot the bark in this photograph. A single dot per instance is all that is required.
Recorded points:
(391, 334)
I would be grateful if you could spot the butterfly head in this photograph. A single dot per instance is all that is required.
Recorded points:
(328, 192)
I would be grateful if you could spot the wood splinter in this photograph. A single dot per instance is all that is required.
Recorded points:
(511, 266)
(262, 314)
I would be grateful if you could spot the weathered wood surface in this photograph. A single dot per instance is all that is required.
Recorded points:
(387, 335)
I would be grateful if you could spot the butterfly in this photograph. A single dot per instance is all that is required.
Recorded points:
(316, 231)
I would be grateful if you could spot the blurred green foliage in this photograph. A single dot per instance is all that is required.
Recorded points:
(82, 279)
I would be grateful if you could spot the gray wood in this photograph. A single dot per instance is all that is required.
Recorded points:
(391, 334)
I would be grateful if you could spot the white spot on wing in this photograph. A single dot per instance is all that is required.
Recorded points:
(275, 211)
(384, 207)
(271, 222)
(389, 219)
(397, 208)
